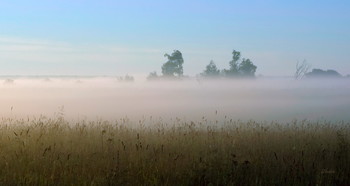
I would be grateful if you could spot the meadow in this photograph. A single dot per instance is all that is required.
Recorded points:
(98, 131)
(53, 151)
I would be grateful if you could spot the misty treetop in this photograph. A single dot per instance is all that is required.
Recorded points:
(238, 68)
(173, 67)
(302, 70)
(245, 68)
(234, 67)
(127, 78)
(319, 73)
(211, 70)
(152, 76)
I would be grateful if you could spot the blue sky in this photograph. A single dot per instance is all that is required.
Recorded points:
(108, 37)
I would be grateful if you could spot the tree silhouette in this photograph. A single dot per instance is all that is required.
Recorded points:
(128, 78)
(319, 73)
(301, 69)
(233, 71)
(246, 68)
(152, 76)
(173, 67)
(211, 70)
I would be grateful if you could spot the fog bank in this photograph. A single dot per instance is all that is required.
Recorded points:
(280, 99)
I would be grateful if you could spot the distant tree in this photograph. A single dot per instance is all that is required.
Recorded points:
(234, 70)
(301, 69)
(247, 68)
(152, 76)
(211, 70)
(244, 69)
(173, 67)
(318, 73)
(128, 78)
(236, 55)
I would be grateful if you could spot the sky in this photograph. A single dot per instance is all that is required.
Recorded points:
(115, 37)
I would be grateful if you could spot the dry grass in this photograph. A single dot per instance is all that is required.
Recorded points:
(47, 151)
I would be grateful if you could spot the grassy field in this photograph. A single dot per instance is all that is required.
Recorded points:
(44, 151)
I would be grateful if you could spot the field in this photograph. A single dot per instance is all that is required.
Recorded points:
(99, 131)
(44, 151)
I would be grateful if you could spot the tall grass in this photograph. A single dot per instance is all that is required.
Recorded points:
(44, 151)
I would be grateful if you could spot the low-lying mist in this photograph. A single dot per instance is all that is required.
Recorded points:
(274, 99)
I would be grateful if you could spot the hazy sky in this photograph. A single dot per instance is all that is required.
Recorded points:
(111, 37)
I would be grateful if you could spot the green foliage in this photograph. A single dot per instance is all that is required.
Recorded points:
(173, 67)
(234, 63)
(211, 70)
(245, 68)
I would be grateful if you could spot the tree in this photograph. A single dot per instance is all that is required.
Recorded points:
(234, 63)
(173, 67)
(301, 69)
(152, 76)
(233, 71)
(319, 73)
(211, 70)
(128, 78)
(246, 68)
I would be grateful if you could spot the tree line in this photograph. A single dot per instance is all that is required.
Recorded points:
(239, 68)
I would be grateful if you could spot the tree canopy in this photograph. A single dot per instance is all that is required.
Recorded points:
(173, 67)
(211, 70)
(319, 73)
(245, 68)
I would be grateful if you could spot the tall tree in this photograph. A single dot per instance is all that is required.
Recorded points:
(173, 67)
(233, 71)
(236, 55)
(211, 70)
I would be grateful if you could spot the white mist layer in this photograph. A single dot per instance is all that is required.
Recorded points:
(106, 98)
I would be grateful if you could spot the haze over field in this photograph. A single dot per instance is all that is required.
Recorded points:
(185, 92)
(280, 99)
